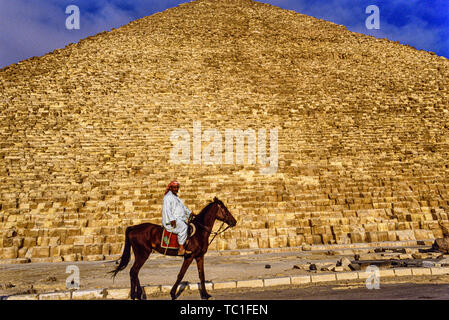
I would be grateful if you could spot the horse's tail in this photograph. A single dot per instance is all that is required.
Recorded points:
(124, 259)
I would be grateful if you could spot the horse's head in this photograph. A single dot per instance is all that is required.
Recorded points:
(223, 213)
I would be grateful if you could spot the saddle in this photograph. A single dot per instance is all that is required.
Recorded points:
(171, 241)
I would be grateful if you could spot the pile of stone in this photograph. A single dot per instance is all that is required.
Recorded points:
(383, 258)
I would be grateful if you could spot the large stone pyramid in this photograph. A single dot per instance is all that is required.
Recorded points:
(86, 133)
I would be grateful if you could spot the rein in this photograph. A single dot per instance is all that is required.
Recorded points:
(218, 232)
(215, 233)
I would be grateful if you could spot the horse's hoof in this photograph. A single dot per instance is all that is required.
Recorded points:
(206, 296)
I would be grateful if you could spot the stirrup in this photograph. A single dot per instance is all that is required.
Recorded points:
(185, 252)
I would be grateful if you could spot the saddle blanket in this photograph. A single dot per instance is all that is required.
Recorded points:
(169, 241)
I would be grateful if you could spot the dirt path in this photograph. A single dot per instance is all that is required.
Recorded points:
(158, 270)
(405, 288)
(46, 277)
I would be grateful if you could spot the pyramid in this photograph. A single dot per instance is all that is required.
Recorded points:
(88, 133)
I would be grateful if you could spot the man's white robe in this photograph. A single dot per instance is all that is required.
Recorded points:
(174, 209)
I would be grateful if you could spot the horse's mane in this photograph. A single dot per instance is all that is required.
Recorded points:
(206, 208)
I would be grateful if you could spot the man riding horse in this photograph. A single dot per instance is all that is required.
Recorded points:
(175, 215)
(146, 237)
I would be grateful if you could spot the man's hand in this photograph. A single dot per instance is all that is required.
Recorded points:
(173, 223)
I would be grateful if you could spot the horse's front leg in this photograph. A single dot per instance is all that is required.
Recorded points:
(200, 265)
(185, 266)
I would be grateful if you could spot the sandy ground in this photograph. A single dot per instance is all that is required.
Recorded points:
(46, 277)
(50, 277)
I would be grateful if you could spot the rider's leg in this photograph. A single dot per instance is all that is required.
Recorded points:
(181, 227)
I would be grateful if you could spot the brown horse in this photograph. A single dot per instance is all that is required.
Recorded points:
(146, 237)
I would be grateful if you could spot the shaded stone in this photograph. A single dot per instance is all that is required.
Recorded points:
(441, 245)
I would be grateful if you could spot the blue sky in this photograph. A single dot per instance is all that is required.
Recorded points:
(33, 28)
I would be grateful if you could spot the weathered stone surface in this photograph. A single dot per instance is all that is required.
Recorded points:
(323, 277)
(88, 294)
(386, 273)
(166, 288)
(328, 267)
(354, 266)
(421, 271)
(276, 281)
(225, 285)
(149, 290)
(301, 279)
(438, 271)
(85, 133)
(347, 276)
(55, 296)
(256, 283)
(119, 294)
(444, 262)
(24, 297)
(302, 266)
(197, 286)
(428, 264)
(345, 262)
(338, 269)
(441, 244)
(403, 272)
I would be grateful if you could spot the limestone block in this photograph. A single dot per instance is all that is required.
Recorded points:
(55, 251)
(386, 273)
(225, 285)
(403, 272)
(55, 296)
(93, 249)
(115, 248)
(347, 276)
(93, 257)
(256, 283)
(118, 294)
(24, 297)
(9, 253)
(357, 237)
(166, 288)
(70, 257)
(421, 271)
(277, 281)
(41, 252)
(197, 286)
(371, 237)
(323, 277)
(439, 271)
(88, 294)
(150, 290)
(300, 279)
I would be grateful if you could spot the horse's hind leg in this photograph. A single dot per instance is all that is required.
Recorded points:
(185, 266)
(133, 273)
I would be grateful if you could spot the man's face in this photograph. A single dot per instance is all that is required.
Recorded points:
(174, 189)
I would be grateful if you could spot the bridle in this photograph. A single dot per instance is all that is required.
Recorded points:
(215, 233)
